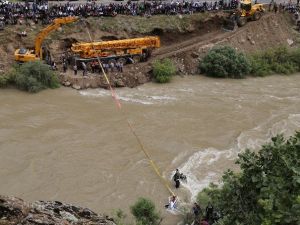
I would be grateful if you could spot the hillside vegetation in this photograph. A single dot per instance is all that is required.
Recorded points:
(266, 191)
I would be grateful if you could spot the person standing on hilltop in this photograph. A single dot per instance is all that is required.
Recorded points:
(275, 7)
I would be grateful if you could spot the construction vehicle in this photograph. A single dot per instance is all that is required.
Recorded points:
(127, 50)
(26, 55)
(246, 11)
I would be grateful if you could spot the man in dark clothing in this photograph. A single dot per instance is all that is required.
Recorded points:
(75, 69)
(197, 211)
(65, 67)
(176, 178)
(209, 212)
(84, 69)
(275, 7)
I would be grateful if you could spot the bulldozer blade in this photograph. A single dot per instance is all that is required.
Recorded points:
(229, 25)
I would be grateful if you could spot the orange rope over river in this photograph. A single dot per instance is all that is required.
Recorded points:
(118, 103)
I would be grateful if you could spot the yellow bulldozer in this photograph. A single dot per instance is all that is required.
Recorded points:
(246, 11)
(26, 55)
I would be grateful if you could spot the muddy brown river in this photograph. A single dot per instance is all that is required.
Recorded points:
(76, 147)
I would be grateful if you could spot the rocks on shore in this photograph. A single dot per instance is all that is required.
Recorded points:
(16, 211)
(131, 77)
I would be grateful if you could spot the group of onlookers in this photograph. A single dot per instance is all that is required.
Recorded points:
(45, 11)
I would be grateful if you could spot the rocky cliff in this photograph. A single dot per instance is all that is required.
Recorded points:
(16, 211)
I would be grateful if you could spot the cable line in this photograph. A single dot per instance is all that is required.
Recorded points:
(119, 106)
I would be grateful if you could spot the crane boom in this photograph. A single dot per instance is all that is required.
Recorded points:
(117, 48)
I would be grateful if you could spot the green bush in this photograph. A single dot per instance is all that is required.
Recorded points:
(119, 217)
(267, 190)
(187, 216)
(144, 212)
(163, 70)
(225, 62)
(279, 60)
(203, 199)
(33, 76)
(4, 80)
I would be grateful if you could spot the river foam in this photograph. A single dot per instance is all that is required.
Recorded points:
(139, 95)
(201, 168)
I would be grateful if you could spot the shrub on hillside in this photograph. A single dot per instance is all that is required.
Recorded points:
(4, 80)
(119, 217)
(33, 76)
(267, 189)
(144, 212)
(225, 62)
(163, 70)
(279, 60)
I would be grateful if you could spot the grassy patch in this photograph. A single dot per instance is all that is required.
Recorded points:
(163, 70)
(226, 62)
(279, 61)
(145, 25)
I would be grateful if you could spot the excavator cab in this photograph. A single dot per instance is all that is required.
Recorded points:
(246, 7)
(25, 55)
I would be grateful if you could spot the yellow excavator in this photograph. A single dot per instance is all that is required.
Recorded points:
(246, 11)
(26, 55)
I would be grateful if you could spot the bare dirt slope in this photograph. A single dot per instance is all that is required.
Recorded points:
(271, 31)
(184, 39)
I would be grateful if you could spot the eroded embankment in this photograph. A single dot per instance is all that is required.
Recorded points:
(16, 211)
(184, 39)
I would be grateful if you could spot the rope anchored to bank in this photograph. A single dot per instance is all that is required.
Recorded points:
(118, 103)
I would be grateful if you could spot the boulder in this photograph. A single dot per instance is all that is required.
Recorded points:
(16, 211)
(76, 87)
(290, 42)
(119, 83)
(67, 83)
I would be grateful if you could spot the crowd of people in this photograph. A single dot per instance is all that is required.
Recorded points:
(45, 11)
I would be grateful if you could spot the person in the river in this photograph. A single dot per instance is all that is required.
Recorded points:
(172, 203)
(176, 178)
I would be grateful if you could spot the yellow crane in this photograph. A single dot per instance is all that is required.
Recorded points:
(120, 50)
(26, 55)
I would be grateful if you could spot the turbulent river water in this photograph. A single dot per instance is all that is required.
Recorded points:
(77, 147)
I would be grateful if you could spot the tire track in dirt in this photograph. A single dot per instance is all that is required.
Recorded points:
(195, 43)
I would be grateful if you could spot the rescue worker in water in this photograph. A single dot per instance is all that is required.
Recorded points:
(176, 178)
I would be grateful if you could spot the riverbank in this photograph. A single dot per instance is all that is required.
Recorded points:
(184, 39)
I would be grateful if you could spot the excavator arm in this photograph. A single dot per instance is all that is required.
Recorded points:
(45, 32)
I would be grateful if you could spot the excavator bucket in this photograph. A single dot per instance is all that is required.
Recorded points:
(229, 23)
